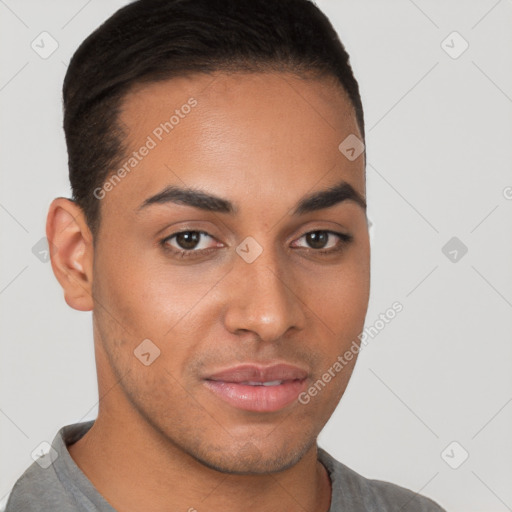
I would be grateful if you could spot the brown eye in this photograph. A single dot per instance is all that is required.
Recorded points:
(317, 239)
(323, 241)
(188, 239)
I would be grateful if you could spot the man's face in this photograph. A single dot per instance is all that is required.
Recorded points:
(263, 143)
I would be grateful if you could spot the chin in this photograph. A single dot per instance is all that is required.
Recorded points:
(252, 460)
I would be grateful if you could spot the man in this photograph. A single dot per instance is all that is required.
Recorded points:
(218, 232)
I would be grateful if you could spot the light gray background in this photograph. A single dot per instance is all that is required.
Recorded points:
(439, 145)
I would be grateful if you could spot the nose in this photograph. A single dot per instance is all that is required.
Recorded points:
(263, 298)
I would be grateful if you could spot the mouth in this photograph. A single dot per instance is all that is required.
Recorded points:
(258, 389)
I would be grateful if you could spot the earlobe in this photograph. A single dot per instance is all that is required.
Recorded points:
(71, 252)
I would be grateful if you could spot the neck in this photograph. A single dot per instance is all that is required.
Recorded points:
(134, 468)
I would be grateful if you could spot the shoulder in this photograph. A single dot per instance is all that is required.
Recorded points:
(387, 496)
(353, 491)
(37, 490)
(49, 483)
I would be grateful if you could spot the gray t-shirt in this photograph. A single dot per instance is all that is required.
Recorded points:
(55, 483)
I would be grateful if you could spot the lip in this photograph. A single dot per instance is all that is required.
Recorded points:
(257, 373)
(231, 386)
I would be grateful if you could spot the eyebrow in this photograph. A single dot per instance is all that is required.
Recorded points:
(195, 198)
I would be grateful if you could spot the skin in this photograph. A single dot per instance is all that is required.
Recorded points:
(162, 441)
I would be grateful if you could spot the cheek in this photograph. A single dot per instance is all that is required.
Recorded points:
(340, 297)
(126, 287)
(146, 293)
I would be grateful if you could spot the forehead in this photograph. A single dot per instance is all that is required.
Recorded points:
(235, 133)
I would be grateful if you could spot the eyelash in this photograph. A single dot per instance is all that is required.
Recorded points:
(344, 239)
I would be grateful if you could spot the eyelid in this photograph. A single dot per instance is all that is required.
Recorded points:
(165, 240)
(343, 240)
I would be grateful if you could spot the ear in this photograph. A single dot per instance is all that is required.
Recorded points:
(71, 252)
